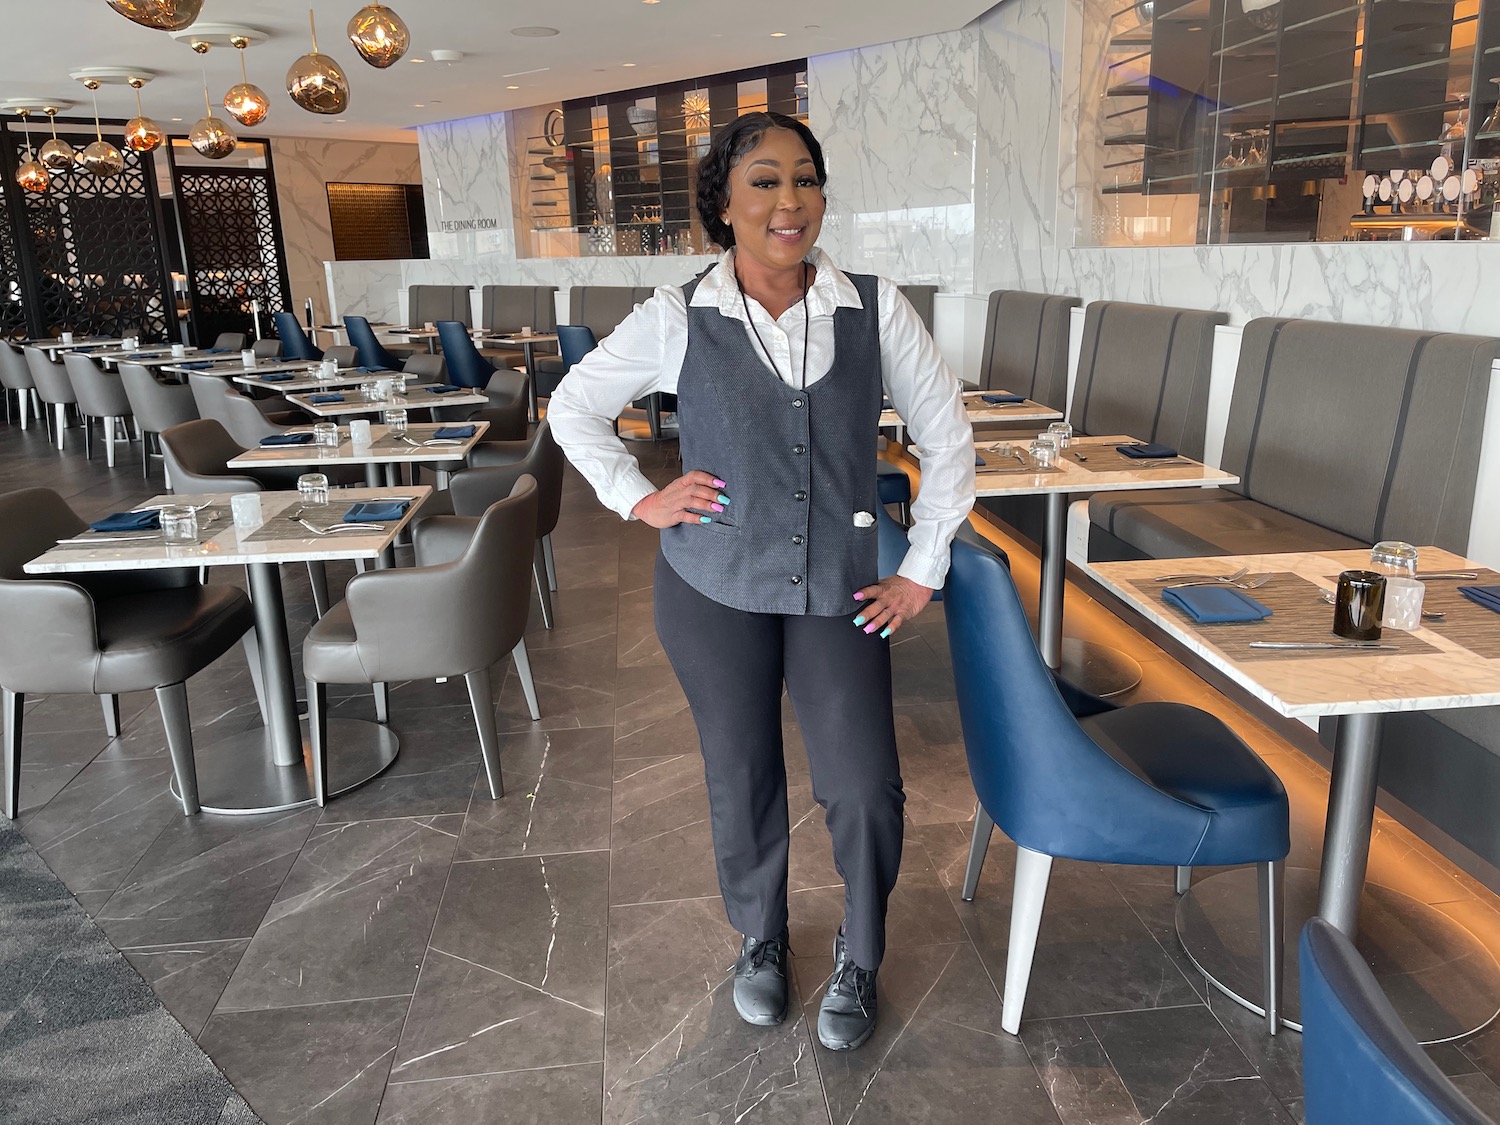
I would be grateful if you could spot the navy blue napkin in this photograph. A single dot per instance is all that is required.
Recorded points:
(1487, 596)
(454, 432)
(445, 389)
(215, 351)
(197, 366)
(287, 439)
(90, 348)
(372, 370)
(886, 404)
(1213, 605)
(1000, 398)
(129, 521)
(278, 377)
(142, 355)
(376, 511)
(1146, 450)
(979, 461)
(319, 400)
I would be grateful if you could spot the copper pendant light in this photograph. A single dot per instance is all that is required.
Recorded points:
(32, 174)
(379, 35)
(141, 133)
(211, 136)
(162, 15)
(316, 82)
(100, 157)
(57, 153)
(246, 102)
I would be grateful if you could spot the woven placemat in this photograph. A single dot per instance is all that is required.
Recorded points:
(996, 463)
(1467, 624)
(1298, 613)
(1108, 459)
(285, 526)
(211, 521)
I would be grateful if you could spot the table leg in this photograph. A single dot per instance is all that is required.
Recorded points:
(534, 406)
(276, 663)
(1351, 816)
(1054, 566)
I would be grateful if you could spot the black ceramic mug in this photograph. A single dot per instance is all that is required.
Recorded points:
(1358, 605)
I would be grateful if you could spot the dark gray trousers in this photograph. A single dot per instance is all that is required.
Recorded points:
(732, 666)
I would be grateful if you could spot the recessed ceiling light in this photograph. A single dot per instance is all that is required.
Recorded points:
(650, 1)
(417, 58)
(176, 119)
(778, 35)
(512, 87)
(534, 32)
(627, 64)
(419, 105)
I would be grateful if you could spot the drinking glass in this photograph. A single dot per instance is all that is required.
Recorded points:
(179, 351)
(1062, 434)
(525, 330)
(1042, 452)
(179, 524)
(1394, 559)
(1403, 603)
(395, 421)
(245, 509)
(313, 488)
(359, 431)
(329, 369)
(67, 337)
(248, 357)
(326, 434)
(398, 384)
(1358, 605)
(370, 391)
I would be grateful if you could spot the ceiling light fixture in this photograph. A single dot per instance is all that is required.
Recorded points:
(379, 35)
(100, 157)
(778, 35)
(161, 15)
(246, 102)
(512, 87)
(32, 174)
(317, 83)
(211, 135)
(141, 133)
(534, 32)
(57, 153)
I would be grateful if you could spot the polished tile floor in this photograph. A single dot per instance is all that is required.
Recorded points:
(416, 952)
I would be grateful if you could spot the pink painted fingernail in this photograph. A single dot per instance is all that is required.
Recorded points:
(869, 628)
(717, 507)
(859, 597)
(718, 483)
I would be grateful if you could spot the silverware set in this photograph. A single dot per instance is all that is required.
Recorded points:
(1240, 580)
(1427, 614)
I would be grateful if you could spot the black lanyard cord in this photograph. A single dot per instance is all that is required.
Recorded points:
(806, 321)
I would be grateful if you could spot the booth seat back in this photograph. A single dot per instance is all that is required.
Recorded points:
(602, 307)
(922, 298)
(509, 308)
(1026, 345)
(437, 302)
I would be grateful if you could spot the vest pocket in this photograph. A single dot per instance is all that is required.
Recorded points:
(714, 526)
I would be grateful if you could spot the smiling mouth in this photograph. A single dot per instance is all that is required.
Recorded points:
(793, 232)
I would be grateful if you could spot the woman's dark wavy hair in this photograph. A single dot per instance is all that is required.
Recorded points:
(739, 137)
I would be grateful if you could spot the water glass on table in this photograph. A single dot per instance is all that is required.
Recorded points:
(67, 337)
(248, 358)
(1403, 593)
(1043, 450)
(359, 431)
(313, 488)
(1062, 434)
(326, 435)
(179, 523)
(179, 351)
(1358, 605)
(395, 420)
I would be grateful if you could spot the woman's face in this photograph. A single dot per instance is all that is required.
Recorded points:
(775, 203)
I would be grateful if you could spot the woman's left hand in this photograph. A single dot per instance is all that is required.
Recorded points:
(890, 604)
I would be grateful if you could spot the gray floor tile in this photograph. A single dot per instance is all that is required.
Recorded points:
(563, 1095)
(189, 977)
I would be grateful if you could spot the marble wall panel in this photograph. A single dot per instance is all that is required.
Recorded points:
(466, 179)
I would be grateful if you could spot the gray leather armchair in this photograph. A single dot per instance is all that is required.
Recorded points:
(15, 375)
(269, 348)
(458, 611)
(231, 341)
(425, 366)
(345, 355)
(157, 406)
(54, 389)
(99, 394)
(495, 468)
(218, 399)
(106, 634)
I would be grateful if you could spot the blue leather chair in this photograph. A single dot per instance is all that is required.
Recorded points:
(466, 367)
(574, 341)
(294, 341)
(1359, 1063)
(1159, 784)
(894, 485)
(372, 353)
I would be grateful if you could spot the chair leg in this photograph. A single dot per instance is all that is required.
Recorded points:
(653, 415)
(1032, 871)
(251, 644)
(145, 456)
(551, 561)
(478, 683)
(317, 577)
(317, 731)
(1184, 880)
(13, 704)
(110, 425)
(1272, 912)
(60, 423)
(88, 436)
(173, 703)
(111, 704)
(382, 702)
(528, 685)
(984, 826)
(543, 592)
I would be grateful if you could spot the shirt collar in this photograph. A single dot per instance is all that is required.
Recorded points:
(830, 289)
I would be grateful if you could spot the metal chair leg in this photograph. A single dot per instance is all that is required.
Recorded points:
(543, 592)
(88, 437)
(317, 577)
(382, 702)
(478, 683)
(13, 704)
(111, 704)
(145, 456)
(551, 561)
(257, 673)
(983, 827)
(523, 673)
(173, 702)
(110, 425)
(1184, 880)
(317, 731)
(60, 423)
(1028, 898)
(1272, 912)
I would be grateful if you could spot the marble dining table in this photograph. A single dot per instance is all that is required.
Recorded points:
(1442, 980)
(982, 412)
(528, 343)
(230, 366)
(266, 769)
(52, 347)
(149, 355)
(383, 453)
(415, 399)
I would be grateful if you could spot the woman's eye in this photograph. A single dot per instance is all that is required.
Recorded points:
(763, 183)
(807, 181)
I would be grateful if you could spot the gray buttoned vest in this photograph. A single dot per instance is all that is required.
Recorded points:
(799, 466)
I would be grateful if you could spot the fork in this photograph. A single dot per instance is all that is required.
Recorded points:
(340, 527)
(1427, 614)
(1248, 584)
(1235, 577)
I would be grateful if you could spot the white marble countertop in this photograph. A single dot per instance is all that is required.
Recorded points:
(347, 453)
(355, 404)
(1320, 683)
(231, 365)
(1073, 477)
(224, 545)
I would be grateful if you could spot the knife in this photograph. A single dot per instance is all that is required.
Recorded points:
(1320, 644)
(1448, 574)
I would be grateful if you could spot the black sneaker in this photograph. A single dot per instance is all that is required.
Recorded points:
(847, 1017)
(760, 981)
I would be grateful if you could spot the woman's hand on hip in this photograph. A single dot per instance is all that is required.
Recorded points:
(890, 604)
(677, 502)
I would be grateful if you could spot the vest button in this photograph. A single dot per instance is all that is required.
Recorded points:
(800, 494)
(796, 580)
(799, 449)
(796, 402)
(798, 540)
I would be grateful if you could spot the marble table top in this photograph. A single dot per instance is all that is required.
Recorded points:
(382, 449)
(151, 355)
(309, 382)
(52, 347)
(229, 546)
(231, 365)
(493, 338)
(980, 411)
(1325, 682)
(355, 404)
(1070, 476)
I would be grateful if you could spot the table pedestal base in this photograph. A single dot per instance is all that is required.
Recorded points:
(1097, 669)
(236, 775)
(1442, 982)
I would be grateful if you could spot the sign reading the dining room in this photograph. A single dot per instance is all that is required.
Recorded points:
(450, 226)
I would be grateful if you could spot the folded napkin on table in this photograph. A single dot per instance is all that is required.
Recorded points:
(1210, 605)
(90, 348)
(321, 399)
(278, 377)
(287, 439)
(979, 460)
(886, 404)
(368, 511)
(445, 389)
(1002, 397)
(129, 521)
(196, 366)
(142, 355)
(1487, 596)
(372, 370)
(1143, 450)
(454, 432)
(215, 351)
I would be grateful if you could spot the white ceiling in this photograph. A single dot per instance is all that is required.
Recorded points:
(668, 40)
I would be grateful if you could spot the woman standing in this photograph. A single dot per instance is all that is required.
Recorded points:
(767, 571)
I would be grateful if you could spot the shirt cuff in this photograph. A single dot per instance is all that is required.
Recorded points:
(629, 492)
(924, 569)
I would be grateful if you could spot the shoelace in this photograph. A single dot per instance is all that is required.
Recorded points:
(762, 950)
(849, 977)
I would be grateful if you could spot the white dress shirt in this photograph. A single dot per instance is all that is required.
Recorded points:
(644, 355)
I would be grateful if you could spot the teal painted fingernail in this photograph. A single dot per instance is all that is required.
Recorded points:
(705, 519)
(886, 632)
(722, 499)
(859, 620)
